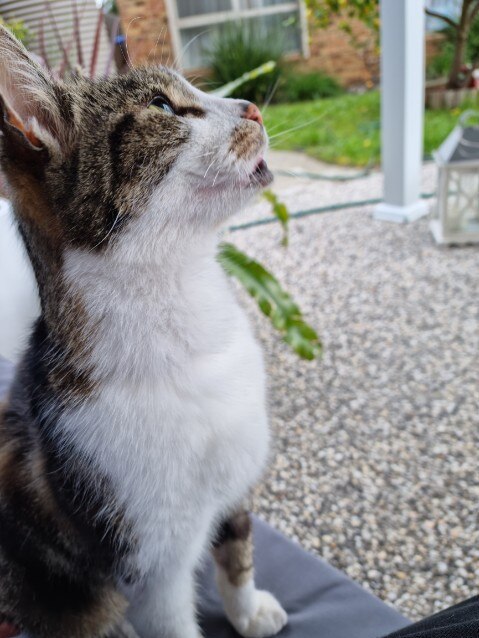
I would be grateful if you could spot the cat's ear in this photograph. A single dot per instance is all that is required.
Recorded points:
(29, 106)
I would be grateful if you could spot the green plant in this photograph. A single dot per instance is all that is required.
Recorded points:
(280, 211)
(239, 48)
(249, 76)
(365, 10)
(19, 30)
(440, 64)
(272, 300)
(301, 87)
(473, 43)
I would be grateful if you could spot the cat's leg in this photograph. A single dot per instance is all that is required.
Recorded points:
(164, 607)
(252, 612)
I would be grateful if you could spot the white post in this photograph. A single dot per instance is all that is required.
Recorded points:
(402, 109)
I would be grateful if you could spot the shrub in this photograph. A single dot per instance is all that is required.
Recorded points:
(242, 47)
(441, 63)
(473, 43)
(301, 87)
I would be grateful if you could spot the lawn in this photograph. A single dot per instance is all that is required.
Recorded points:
(345, 130)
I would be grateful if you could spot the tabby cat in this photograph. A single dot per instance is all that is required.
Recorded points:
(136, 423)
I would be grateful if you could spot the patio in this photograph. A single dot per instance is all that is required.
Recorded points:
(375, 463)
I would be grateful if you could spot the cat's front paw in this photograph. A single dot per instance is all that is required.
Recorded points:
(267, 618)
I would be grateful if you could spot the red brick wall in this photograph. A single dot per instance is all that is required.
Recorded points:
(434, 42)
(145, 24)
(351, 58)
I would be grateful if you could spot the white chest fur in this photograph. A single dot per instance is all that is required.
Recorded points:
(179, 424)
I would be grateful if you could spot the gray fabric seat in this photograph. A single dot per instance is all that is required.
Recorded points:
(321, 601)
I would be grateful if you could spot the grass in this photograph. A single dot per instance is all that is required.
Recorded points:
(345, 130)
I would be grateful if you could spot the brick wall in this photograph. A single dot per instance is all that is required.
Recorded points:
(353, 59)
(350, 58)
(145, 24)
(434, 42)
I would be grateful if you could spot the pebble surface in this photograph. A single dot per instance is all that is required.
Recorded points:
(374, 464)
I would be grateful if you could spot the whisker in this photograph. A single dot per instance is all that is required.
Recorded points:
(181, 54)
(295, 128)
(276, 126)
(203, 155)
(217, 173)
(291, 173)
(108, 233)
(210, 165)
(128, 57)
(153, 49)
(268, 99)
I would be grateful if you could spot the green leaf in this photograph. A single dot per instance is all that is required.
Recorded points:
(280, 211)
(227, 89)
(272, 300)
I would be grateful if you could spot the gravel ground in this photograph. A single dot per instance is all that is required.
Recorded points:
(375, 460)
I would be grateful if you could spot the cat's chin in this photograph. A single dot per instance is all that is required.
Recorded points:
(261, 176)
(257, 180)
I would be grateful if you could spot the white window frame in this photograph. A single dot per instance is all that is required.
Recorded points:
(176, 24)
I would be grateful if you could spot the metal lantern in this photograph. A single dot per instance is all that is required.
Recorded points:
(457, 214)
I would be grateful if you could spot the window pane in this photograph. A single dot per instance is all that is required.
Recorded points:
(258, 4)
(285, 27)
(449, 8)
(200, 7)
(197, 42)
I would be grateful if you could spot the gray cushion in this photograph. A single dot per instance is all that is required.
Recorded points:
(321, 601)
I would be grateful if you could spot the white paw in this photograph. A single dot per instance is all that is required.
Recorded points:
(267, 620)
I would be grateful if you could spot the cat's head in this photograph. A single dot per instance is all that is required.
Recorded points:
(86, 160)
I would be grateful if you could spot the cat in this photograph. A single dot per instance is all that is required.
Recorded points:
(136, 423)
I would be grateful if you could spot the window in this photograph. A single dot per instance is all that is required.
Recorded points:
(197, 22)
(449, 8)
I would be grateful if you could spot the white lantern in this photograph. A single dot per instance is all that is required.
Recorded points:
(457, 213)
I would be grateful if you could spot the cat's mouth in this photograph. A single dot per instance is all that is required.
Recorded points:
(261, 176)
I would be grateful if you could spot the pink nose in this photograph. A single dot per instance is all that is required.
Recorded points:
(252, 112)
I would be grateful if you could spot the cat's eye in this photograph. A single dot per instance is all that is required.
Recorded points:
(160, 103)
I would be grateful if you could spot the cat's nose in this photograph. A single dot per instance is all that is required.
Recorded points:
(252, 112)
